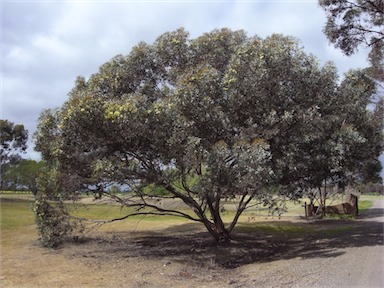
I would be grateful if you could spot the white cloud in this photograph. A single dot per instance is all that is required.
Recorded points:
(19, 56)
(53, 48)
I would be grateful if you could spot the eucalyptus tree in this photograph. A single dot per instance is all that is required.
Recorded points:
(208, 120)
(13, 139)
(13, 142)
(24, 175)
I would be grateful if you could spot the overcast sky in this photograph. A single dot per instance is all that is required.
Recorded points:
(46, 44)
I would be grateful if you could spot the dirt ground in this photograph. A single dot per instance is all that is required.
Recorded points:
(342, 253)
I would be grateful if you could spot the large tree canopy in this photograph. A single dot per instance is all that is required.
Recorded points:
(223, 116)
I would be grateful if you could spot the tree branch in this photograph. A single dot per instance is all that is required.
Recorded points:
(378, 9)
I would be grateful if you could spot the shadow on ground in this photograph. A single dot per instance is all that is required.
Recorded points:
(252, 242)
(372, 213)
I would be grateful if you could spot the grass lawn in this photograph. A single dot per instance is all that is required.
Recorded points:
(15, 214)
(16, 211)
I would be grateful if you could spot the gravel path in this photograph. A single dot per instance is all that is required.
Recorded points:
(366, 263)
(357, 262)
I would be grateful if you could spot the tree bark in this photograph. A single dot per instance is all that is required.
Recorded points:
(217, 231)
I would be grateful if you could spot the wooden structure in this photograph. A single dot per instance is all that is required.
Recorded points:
(350, 207)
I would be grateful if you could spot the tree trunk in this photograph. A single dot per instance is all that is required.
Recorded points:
(221, 235)
(217, 230)
(216, 227)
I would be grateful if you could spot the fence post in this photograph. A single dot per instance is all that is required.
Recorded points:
(305, 207)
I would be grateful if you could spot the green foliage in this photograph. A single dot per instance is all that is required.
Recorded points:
(13, 139)
(355, 23)
(156, 191)
(205, 120)
(371, 188)
(53, 222)
(24, 175)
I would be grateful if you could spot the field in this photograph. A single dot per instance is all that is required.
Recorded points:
(170, 252)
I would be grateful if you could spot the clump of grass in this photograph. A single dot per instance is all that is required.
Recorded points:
(341, 216)
(293, 230)
(276, 229)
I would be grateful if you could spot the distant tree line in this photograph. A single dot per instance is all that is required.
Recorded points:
(17, 173)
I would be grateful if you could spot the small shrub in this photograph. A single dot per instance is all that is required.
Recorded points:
(53, 222)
